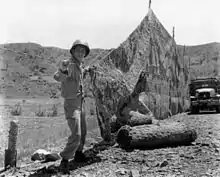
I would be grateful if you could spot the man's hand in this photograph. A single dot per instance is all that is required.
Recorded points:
(64, 65)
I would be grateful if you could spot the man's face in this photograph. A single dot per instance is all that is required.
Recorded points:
(79, 53)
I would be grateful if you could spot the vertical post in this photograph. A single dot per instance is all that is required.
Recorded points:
(149, 4)
(11, 152)
(173, 32)
(189, 63)
(218, 66)
(170, 95)
(184, 66)
(184, 50)
(183, 82)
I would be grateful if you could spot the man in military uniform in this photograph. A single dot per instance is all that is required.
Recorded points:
(70, 75)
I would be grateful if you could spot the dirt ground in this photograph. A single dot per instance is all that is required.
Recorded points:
(34, 132)
(201, 159)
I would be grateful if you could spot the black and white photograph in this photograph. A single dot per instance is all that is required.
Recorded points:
(110, 88)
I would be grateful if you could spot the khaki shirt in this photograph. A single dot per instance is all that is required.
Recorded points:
(71, 83)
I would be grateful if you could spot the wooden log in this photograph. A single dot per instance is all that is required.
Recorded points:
(135, 118)
(133, 111)
(155, 136)
(11, 152)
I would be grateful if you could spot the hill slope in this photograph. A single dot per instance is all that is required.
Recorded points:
(26, 61)
(27, 68)
(203, 60)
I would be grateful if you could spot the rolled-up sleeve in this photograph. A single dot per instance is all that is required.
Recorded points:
(59, 76)
(72, 71)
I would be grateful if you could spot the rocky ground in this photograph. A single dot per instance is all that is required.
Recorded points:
(202, 158)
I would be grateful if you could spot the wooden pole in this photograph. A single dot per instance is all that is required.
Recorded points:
(189, 63)
(184, 50)
(149, 4)
(11, 152)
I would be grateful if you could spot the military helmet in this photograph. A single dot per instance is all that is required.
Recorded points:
(80, 43)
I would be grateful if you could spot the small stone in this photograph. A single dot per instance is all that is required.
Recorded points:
(121, 171)
(214, 145)
(134, 173)
(204, 144)
(114, 160)
(83, 175)
(124, 162)
(164, 163)
(182, 155)
(143, 161)
(189, 157)
(157, 164)
(195, 143)
(216, 150)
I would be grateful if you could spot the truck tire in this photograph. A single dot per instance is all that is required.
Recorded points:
(194, 110)
(218, 109)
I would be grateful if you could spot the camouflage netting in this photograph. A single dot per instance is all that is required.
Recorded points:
(149, 53)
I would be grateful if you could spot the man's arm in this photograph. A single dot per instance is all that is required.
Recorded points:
(60, 76)
(71, 71)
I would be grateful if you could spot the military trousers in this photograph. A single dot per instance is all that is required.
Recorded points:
(76, 120)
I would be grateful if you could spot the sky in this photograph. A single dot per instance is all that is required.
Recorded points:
(105, 23)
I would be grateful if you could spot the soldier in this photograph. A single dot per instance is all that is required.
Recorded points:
(70, 75)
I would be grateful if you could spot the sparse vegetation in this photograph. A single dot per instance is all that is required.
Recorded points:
(48, 132)
(52, 131)
(16, 110)
(30, 59)
(54, 111)
(40, 112)
(54, 93)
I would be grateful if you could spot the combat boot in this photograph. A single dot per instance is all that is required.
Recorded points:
(64, 166)
(80, 157)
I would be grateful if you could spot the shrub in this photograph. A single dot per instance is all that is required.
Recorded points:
(54, 111)
(40, 111)
(53, 94)
(16, 110)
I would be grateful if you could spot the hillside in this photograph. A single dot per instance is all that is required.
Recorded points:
(204, 60)
(146, 73)
(27, 68)
(26, 61)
